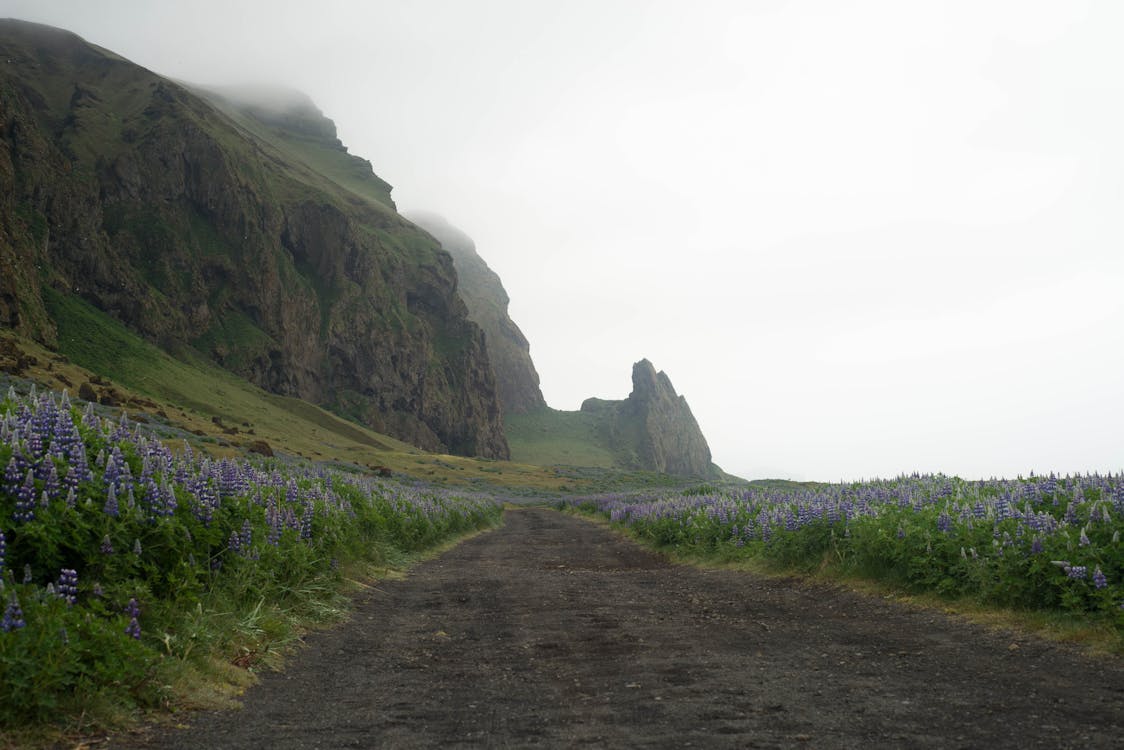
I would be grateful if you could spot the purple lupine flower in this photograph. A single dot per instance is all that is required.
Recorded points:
(1071, 514)
(79, 466)
(25, 500)
(3, 551)
(125, 478)
(13, 616)
(273, 519)
(68, 585)
(306, 523)
(1036, 546)
(1077, 572)
(133, 629)
(170, 500)
(52, 485)
(137, 547)
(111, 508)
(1083, 540)
(122, 431)
(27, 572)
(106, 547)
(13, 473)
(1099, 579)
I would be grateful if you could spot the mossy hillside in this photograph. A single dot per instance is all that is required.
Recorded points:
(551, 437)
(652, 430)
(291, 123)
(487, 303)
(194, 224)
(225, 415)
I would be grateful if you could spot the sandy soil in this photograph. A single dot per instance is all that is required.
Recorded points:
(553, 632)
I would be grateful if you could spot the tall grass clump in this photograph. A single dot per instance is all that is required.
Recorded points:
(121, 558)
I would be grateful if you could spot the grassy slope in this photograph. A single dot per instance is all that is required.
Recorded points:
(313, 161)
(551, 437)
(191, 391)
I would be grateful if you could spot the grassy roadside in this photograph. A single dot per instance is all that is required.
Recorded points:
(247, 638)
(140, 579)
(1094, 636)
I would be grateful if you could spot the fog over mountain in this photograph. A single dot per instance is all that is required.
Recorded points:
(862, 238)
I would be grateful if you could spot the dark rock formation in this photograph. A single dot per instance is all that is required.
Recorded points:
(487, 301)
(247, 233)
(654, 428)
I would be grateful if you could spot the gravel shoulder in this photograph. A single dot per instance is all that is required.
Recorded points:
(554, 632)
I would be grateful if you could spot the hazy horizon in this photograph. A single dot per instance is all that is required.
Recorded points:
(861, 241)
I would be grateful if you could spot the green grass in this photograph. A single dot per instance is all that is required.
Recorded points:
(549, 437)
(97, 342)
(312, 160)
(345, 170)
(192, 391)
(238, 338)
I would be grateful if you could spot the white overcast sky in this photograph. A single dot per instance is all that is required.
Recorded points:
(862, 238)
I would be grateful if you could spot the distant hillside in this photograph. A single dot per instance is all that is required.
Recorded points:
(653, 430)
(487, 301)
(232, 223)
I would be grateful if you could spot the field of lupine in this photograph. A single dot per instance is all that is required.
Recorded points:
(1040, 543)
(120, 556)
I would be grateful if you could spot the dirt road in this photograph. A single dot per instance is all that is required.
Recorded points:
(552, 632)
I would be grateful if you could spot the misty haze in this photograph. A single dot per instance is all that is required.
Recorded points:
(525, 374)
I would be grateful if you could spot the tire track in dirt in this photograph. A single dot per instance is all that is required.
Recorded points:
(554, 632)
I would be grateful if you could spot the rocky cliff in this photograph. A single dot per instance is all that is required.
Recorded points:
(654, 426)
(232, 228)
(487, 301)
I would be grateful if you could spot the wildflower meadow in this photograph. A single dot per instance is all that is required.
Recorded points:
(120, 554)
(1042, 542)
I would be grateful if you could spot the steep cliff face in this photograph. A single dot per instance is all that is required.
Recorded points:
(487, 301)
(654, 426)
(242, 231)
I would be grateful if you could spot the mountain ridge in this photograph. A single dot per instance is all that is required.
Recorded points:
(196, 230)
(487, 301)
(653, 429)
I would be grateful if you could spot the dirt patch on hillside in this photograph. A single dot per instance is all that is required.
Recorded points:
(553, 632)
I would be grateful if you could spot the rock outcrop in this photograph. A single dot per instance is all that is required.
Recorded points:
(242, 231)
(653, 428)
(487, 301)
